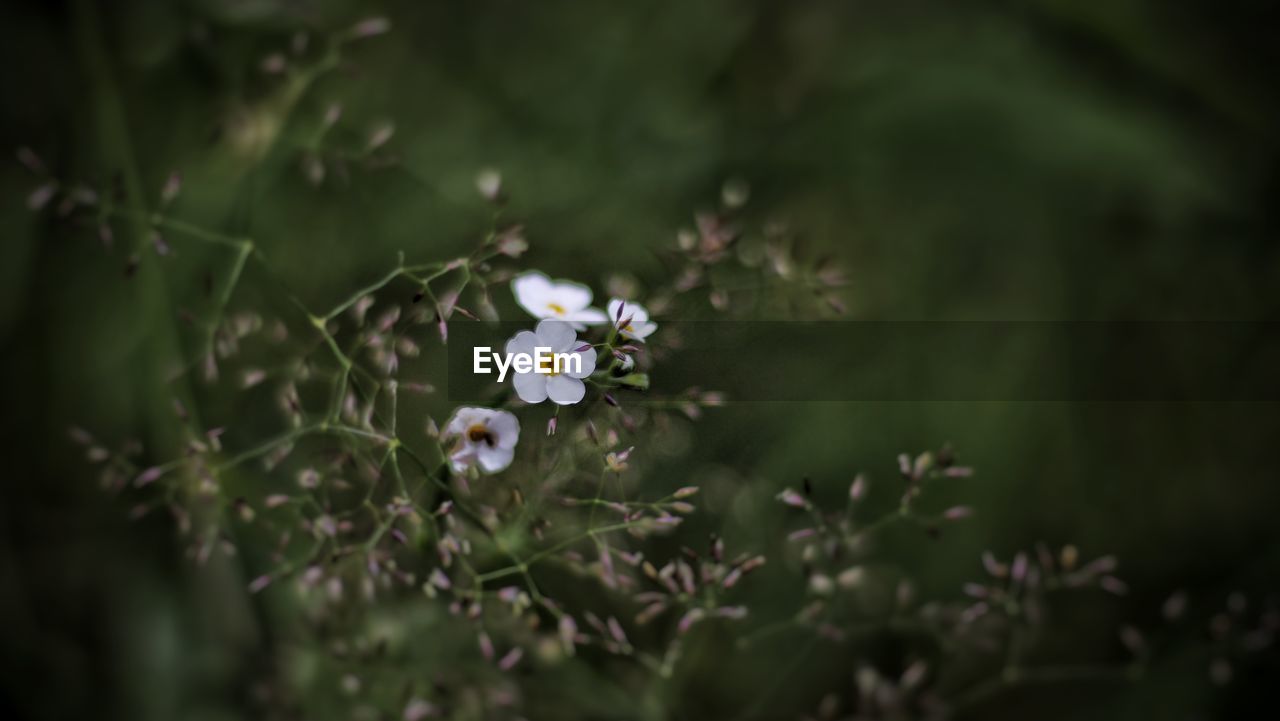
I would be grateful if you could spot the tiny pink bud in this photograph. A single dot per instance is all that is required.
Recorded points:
(1132, 640)
(1019, 571)
(41, 196)
(380, 135)
(1103, 565)
(149, 476)
(172, 186)
(615, 630)
(690, 618)
(332, 114)
(508, 662)
(793, 499)
(439, 580)
(993, 567)
(568, 629)
(914, 674)
(511, 242)
(1175, 606)
(370, 27)
(858, 488)
(30, 160)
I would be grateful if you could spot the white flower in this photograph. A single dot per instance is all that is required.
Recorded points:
(640, 327)
(485, 437)
(562, 383)
(561, 299)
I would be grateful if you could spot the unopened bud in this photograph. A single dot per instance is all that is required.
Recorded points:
(489, 183)
(370, 27)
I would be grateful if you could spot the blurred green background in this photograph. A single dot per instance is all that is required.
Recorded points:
(1030, 159)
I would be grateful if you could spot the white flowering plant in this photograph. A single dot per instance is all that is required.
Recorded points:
(390, 533)
(421, 558)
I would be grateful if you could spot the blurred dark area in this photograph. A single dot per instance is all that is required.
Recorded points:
(1015, 160)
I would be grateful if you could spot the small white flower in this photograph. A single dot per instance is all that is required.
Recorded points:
(564, 387)
(640, 327)
(484, 437)
(560, 299)
(489, 183)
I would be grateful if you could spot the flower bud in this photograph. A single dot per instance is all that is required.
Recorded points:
(369, 27)
(489, 183)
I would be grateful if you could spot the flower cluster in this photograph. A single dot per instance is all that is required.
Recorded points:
(485, 438)
(327, 479)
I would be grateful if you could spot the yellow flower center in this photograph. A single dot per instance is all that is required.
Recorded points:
(547, 365)
(556, 308)
(479, 432)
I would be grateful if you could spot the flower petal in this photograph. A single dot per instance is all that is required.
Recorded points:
(634, 311)
(587, 316)
(531, 387)
(534, 293)
(588, 357)
(565, 390)
(506, 428)
(569, 295)
(639, 330)
(463, 457)
(523, 342)
(555, 334)
(463, 418)
(495, 459)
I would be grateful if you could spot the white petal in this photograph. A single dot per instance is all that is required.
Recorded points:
(634, 311)
(523, 342)
(533, 292)
(531, 387)
(463, 457)
(588, 357)
(505, 428)
(565, 390)
(569, 295)
(613, 309)
(493, 460)
(587, 316)
(639, 330)
(555, 334)
(463, 418)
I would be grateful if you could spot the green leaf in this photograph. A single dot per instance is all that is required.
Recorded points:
(639, 381)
